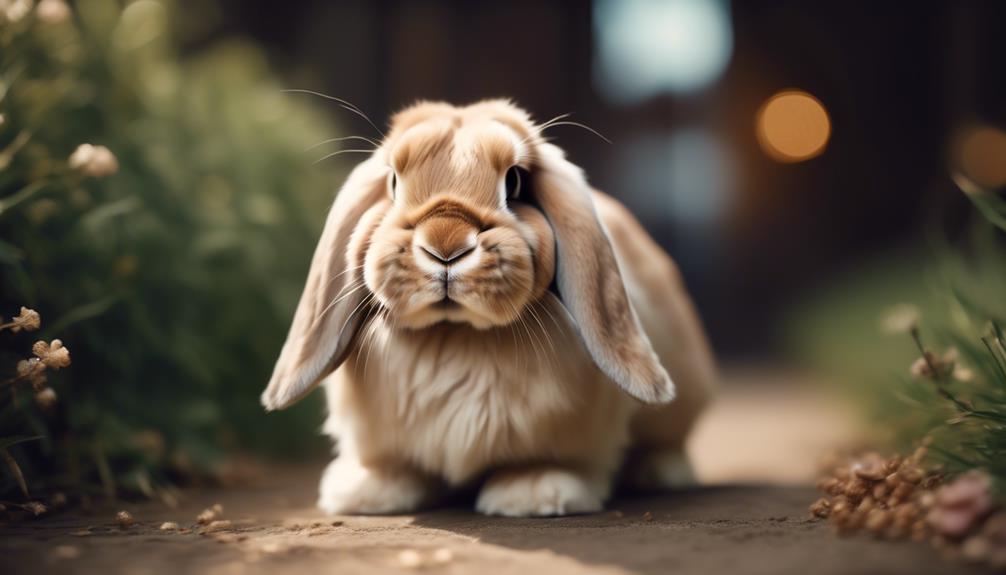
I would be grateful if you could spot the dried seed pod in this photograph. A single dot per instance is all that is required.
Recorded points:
(911, 474)
(866, 505)
(900, 493)
(820, 508)
(827, 484)
(880, 491)
(906, 513)
(919, 530)
(836, 488)
(856, 489)
(892, 481)
(893, 464)
(856, 519)
(871, 467)
(877, 521)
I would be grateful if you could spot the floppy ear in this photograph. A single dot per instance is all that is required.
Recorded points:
(327, 317)
(590, 284)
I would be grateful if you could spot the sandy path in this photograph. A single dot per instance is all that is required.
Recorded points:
(705, 530)
(738, 526)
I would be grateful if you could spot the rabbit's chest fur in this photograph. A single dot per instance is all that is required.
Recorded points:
(455, 401)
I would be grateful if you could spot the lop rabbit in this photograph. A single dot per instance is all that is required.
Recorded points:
(480, 316)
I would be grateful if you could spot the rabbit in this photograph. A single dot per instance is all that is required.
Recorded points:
(481, 318)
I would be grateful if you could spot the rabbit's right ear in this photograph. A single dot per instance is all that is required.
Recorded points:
(327, 317)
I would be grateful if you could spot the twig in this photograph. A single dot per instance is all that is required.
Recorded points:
(15, 469)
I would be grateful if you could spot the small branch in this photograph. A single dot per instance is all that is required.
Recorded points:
(21, 195)
(938, 376)
(15, 470)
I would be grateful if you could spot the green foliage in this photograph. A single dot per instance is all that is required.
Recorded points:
(960, 402)
(171, 281)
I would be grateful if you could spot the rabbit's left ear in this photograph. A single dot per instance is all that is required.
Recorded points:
(328, 315)
(590, 284)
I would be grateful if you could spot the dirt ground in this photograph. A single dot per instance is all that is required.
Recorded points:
(749, 516)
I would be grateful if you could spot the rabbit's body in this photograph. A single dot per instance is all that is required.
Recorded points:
(433, 298)
(445, 405)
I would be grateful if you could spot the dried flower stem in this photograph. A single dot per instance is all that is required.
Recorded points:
(994, 336)
(15, 469)
(22, 195)
(938, 377)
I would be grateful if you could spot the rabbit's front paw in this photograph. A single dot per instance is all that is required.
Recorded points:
(540, 492)
(350, 488)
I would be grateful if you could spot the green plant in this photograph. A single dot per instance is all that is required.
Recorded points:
(945, 379)
(172, 274)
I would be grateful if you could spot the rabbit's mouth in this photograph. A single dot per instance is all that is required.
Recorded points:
(446, 304)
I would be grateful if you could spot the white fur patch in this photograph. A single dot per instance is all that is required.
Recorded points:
(540, 492)
(347, 487)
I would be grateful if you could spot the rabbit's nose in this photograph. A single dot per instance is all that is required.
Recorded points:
(453, 257)
(446, 252)
(445, 237)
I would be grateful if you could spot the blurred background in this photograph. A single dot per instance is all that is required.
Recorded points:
(797, 160)
(757, 208)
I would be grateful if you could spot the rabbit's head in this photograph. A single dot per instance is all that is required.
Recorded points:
(455, 240)
(463, 215)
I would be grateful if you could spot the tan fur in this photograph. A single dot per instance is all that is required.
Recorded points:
(453, 362)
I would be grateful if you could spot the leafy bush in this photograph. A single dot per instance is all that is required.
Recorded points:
(172, 280)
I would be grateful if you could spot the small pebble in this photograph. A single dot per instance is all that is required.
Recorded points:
(443, 555)
(218, 525)
(169, 526)
(124, 519)
(410, 559)
(66, 552)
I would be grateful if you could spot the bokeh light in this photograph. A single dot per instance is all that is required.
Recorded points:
(650, 47)
(793, 126)
(980, 155)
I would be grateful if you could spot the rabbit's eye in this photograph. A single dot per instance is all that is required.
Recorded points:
(392, 184)
(513, 181)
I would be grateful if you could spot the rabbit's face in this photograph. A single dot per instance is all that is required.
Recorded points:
(456, 243)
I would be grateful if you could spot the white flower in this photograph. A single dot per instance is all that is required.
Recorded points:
(963, 374)
(54, 355)
(52, 11)
(93, 161)
(901, 318)
(15, 10)
(28, 320)
(46, 398)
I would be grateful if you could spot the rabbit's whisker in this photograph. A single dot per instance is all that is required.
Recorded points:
(579, 125)
(343, 139)
(342, 103)
(333, 154)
